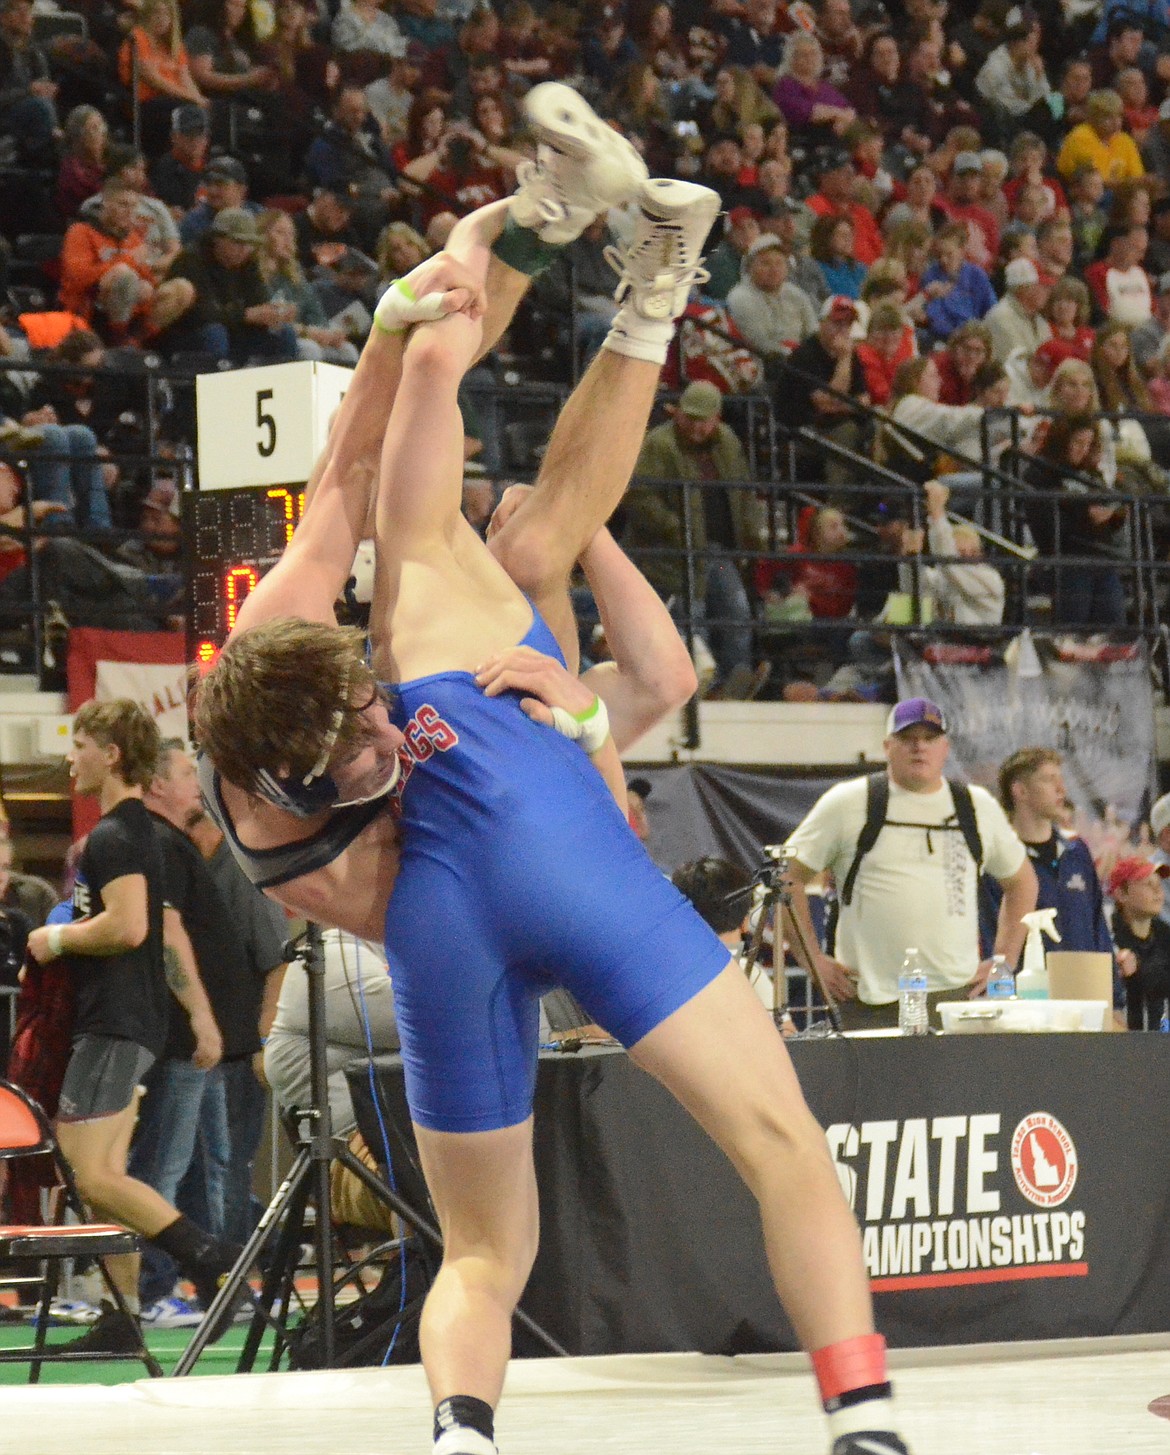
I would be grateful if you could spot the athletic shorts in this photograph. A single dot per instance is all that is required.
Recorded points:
(101, 1077)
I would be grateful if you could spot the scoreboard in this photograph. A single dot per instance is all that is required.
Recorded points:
(231, 538)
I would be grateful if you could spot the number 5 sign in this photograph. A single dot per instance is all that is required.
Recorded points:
(265, 426)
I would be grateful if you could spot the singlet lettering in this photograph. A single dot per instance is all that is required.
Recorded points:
(426, 734)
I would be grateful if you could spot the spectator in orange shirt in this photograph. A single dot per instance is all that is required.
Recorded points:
(834, 197)
(106, 275)
(164, 77)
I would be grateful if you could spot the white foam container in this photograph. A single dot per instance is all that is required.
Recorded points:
(975, 1017)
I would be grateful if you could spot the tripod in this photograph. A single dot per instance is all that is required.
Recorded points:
(308, 1178)
(770, 897)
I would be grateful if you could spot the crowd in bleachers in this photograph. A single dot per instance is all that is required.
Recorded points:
(957, 216)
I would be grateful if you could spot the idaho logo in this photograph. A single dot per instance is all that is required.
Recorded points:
(1044, 1160)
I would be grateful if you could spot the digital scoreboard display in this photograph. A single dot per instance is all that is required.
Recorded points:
(231, 538)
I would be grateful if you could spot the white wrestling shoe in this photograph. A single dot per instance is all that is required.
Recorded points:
(664, 261)
(582, 166)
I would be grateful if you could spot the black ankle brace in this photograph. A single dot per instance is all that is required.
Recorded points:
(466, 1410)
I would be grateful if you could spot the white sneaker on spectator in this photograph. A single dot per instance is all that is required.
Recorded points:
(72, 1311)
(663, 260)
(582, 167)
(171, 1312)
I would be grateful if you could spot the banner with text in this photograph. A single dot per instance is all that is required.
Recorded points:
(148, 667)
(1091, 701)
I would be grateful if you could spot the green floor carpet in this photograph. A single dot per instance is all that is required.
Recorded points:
(167, 1345)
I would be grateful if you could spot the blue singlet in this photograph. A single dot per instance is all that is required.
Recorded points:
(518, 873)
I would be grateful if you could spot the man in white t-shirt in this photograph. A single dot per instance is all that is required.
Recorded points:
(918, 885)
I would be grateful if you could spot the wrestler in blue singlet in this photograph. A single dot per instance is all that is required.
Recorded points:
(519, 872)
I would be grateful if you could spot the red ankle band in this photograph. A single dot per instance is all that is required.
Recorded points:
(851, 1364)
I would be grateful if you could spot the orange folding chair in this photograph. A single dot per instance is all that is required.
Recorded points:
(25, 1132)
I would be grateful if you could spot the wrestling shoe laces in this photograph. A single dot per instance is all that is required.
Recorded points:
(870, 1442)
(663, 262)
(582, 166)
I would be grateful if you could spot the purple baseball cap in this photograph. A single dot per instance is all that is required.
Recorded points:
(912, 712)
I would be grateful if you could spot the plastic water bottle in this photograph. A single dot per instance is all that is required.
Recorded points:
(913, 1019)
(1001, 983)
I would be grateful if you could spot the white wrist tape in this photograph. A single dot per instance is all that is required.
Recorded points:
(399, 306)
(55, 938)
(589, 728)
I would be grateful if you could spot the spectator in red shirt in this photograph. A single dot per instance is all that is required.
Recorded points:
(828, 587)
(968, 349)
(834, 197)
(960, 202)
(889, 341)
(1028, 161)
(1067, 312)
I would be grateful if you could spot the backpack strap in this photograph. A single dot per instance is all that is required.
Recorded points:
(877, 802)
(968, 824)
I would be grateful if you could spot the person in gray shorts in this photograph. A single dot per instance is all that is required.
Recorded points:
(114, 947)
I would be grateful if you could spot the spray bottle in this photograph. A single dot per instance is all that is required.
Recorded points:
(1032, 981)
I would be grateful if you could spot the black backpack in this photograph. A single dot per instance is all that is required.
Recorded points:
(877, 803)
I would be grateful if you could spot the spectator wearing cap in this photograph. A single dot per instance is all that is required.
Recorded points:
(834, 198)
(225, 184)
(1012, 81)
(177, 175)
(1142, 939)
(155, 549)
(960, 202)
(810, 386)
(1148, 340)
(1118, 282)
(1032, 791)
(233, 316)
(771, 312)
(816, 112)
(1101, 142)
(956, 291)
(154, 51)
(725, 262)
(696, 445)
(917, 886)
(1017, 321)
(106, 273)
